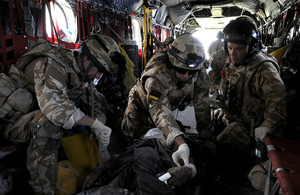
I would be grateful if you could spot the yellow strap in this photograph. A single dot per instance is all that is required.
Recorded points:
(147, 28)
(153, 97)
(129, 79)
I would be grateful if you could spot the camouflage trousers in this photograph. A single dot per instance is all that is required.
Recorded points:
(43, 138)
(236, 135)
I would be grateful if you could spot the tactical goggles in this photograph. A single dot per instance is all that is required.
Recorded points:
(184, 71)
(192, 61)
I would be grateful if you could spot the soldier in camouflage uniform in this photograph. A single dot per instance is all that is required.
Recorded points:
(217, 57)
(217, 62)
(253, 96)
(171, 80)
(61, 83)
(216, 45)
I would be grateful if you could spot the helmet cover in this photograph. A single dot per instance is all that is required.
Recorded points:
(186, 52)
(99, 48)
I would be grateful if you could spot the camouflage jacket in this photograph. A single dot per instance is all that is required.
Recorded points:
(254, 93)
(215, 46)
(217, 62)
(52, 74)
(160, 93)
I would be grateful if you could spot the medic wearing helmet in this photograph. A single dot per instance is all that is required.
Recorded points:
(253, 96)
(60, 82)
(171, 80)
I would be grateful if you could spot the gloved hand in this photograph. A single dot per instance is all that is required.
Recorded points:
(183, 152)
(214, 94)
(261, 132)
(102, 133)
(218, 113)
(181, 174)
(104, 155)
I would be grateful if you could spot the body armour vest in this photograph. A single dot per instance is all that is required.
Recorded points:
(64, 62)
(178, 93)
(240, 97)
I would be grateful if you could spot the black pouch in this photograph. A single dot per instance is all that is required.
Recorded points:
(118, 58)
(261, 152)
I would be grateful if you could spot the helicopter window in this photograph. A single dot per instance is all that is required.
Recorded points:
(136, 26)
(206, 36)
(62, 15)
(209, 27)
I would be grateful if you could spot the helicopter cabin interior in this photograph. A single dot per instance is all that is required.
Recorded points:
(131, 22)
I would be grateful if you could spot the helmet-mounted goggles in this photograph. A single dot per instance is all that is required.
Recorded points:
(192, 61)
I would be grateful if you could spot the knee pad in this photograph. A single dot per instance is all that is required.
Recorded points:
(46, 137)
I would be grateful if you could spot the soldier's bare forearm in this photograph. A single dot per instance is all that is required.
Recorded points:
(179, 140)
(85, 121)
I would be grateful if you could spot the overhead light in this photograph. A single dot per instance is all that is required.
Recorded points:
(214, 22)
(216, 12)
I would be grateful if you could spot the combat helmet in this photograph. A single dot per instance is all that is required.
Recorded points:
(186, 52)
(243, 30)
(104, 53)
(220, 35)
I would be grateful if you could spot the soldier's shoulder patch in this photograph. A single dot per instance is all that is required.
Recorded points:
(154, 95)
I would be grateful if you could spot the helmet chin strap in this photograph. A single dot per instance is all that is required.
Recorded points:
(247, 49)
(246, 60)
(248, 57)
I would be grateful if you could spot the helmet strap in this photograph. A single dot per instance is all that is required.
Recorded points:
(168, 63)
(247, 50)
